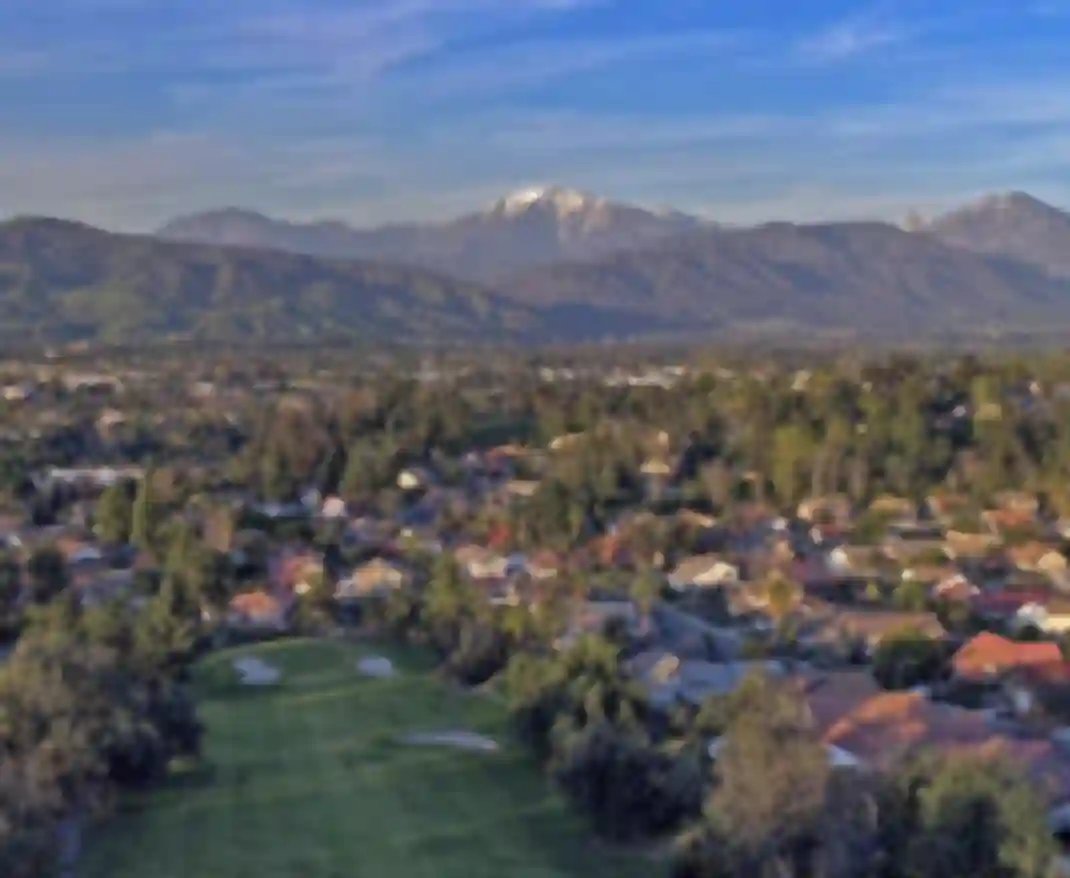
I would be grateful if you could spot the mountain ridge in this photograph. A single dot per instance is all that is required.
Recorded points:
(685, 277)
(525, 229)
(1012, 224)
(68, 281)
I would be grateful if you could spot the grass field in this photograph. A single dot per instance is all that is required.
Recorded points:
(307, 781)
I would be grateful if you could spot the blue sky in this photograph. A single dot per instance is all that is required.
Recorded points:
(127, 112)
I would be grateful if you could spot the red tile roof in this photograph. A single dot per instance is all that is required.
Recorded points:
(988, 654)
(256, 604)
(893, 724)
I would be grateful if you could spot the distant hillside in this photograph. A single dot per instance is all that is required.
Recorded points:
(865, 277)
(66, 281)
(527, 229)
(1014, 224)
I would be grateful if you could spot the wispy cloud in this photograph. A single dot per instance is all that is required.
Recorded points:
(537, 63)
(381, 110)
(857, 35)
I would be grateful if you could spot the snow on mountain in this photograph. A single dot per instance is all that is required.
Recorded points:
(562, 201)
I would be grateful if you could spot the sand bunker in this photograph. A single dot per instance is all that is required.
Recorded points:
(376, 666)
(460, 740)
(255, 672)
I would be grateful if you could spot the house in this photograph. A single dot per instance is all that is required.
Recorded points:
(594, 617)
(1002, 606)
(961, 544)
(376, 577)
(854, 560)
(294, 571)
(481, 563)
(1050, 616)
(277, 511)
(988, 656)
(893, 507)
(610, 550)
(1039, 692)
(80, 552)
(522, 488)
(656, 467)
(259, 610)
(914, 548)
(1038, 557)
(834, 508)
(703, 571)
(669, 679)
(884, 729)
(845, 628)
(890, 726)
(413, 478)
(656, 473)
(956, 587)
(1000, 522)
(1018, 501)
(333, 507)
(928, 575)
(98, 587)
(543, 565)
(566, 440)
(695, 519)
(946, 506)
(830, 695)
(94, 476)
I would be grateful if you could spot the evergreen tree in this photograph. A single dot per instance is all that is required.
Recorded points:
(10, 596)
(145, 517)
(114, 514)
(47, 574)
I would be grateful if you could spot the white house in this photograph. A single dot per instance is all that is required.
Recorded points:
(703, 571)
(481, 563)
(1043, 619)
(333, 507)
(413, 478)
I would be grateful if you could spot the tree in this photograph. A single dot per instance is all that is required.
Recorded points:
(47, 575)
(771, 772)
(482, 651)
(910, 595)
(167, 630)
(646, 589)
(114, 514)
(210, 578)
(145, 517)
(781, 595)
(909, 658)
(968, 815)
(10, 595)
(628, 787)
(448, 601)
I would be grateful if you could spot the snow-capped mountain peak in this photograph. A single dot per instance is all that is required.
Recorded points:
(563, 201)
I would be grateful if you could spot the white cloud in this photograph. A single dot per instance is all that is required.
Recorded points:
(855, 36)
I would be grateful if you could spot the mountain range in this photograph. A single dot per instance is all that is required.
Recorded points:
(64, 281)
(527, 229)
(539, 265)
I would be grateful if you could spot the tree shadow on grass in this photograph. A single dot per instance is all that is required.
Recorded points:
(183, 777)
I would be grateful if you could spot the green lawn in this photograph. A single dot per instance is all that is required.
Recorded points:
(307, 781)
